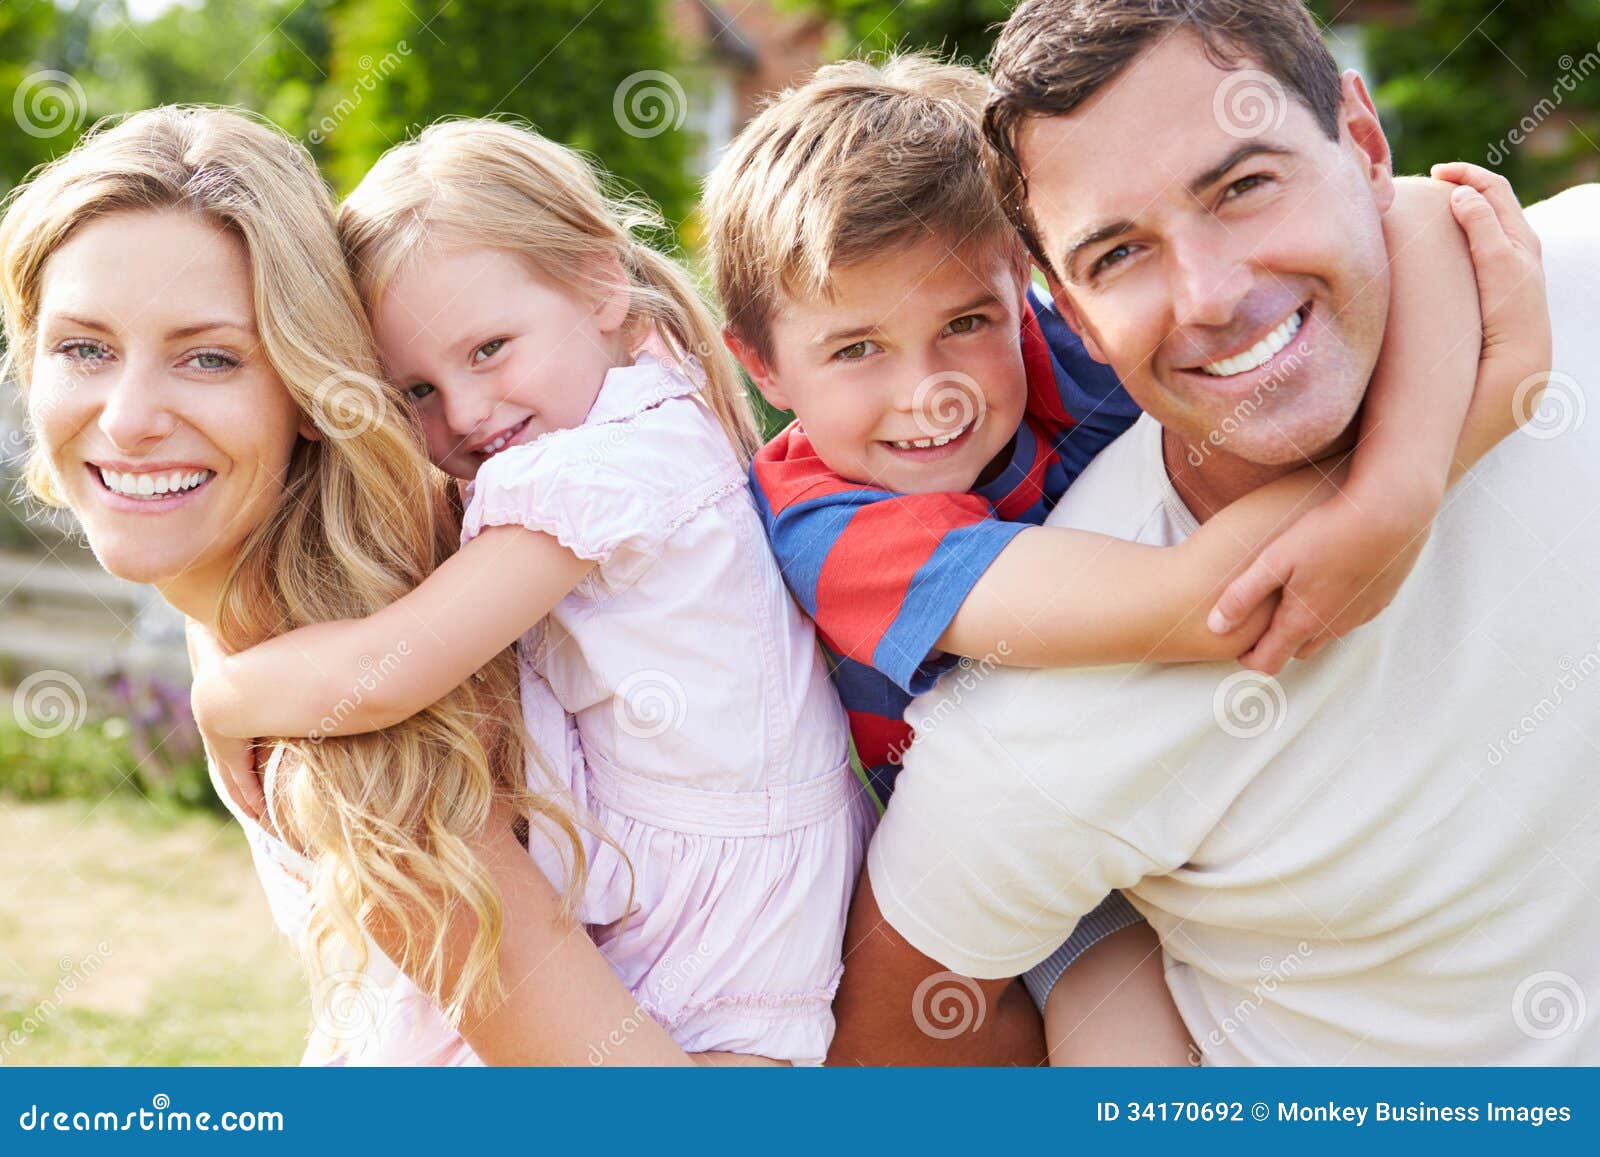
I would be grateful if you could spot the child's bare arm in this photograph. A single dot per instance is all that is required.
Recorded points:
(358, 675)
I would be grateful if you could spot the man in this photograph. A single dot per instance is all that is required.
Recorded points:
(1392, 855)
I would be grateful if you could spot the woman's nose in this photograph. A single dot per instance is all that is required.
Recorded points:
(135, 413)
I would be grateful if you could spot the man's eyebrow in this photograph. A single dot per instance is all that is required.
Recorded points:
(1197, 186)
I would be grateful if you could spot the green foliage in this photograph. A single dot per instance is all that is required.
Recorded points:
(956, 29)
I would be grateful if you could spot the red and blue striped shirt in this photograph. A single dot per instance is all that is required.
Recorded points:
(882, 573)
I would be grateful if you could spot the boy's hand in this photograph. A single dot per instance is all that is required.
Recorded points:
(233, 758)
(1507, 258)
(1338, 565)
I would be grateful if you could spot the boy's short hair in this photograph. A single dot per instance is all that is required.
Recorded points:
(860, 161)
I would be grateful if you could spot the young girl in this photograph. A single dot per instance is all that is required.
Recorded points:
(575, 379)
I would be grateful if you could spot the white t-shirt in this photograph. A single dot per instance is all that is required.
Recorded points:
(1389, 855)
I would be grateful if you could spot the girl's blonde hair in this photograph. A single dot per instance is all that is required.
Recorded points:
(497, 185)
(388, 818)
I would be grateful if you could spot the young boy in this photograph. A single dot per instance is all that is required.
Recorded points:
(874, 287)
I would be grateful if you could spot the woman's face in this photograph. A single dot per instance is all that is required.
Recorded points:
(166, 427)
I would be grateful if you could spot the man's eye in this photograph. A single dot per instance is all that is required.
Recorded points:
(1111, 258)
(487, 350)
(965, 324)
(855, 352)
(418, 390)
(1245, 184)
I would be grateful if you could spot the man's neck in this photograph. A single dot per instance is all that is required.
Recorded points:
(1208, 478)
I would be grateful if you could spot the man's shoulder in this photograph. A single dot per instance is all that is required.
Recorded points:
(1125, 492)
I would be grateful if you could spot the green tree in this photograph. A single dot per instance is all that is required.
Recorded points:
(562, 65)
(956, 29)
(43, 57)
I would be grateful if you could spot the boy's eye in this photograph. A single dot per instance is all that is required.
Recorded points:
(416, 391)
(856, 351)
(965, 324)
(487, 350)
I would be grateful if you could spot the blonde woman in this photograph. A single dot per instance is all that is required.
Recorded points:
(203, 393)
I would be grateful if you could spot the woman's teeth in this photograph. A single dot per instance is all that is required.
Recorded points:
(1259, 354)
(152, 485)
(929, 443)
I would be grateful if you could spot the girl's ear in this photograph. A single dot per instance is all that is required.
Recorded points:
(759, 369)
(616, 296)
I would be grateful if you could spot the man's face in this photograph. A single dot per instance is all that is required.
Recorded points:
(1218, 250)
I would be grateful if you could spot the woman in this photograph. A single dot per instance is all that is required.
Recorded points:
(204, 398)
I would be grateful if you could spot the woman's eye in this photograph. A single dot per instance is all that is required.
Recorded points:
(487, 350)
(211, 361)
(418, 390)
(965, 324)
(855, 352)
(85, 352)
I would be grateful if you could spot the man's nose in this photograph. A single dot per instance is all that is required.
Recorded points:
(136, 411)
(1208, 280)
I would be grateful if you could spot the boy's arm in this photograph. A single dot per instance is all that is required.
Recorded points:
(357, 675)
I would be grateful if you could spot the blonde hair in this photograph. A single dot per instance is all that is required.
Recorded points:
(860, 161)
(387, 817)
(501, 186)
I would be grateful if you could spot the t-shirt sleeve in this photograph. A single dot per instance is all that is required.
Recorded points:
(883, 574)
(1088, 392)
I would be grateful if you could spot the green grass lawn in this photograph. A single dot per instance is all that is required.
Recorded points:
(132, 934)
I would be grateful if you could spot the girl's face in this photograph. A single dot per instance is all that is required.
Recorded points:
(492, 356)
(167, 429)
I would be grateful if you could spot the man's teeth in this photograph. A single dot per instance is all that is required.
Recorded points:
(152, 485)
(928, 443)
(1258, 354)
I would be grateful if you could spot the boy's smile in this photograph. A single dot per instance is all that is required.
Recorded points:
(910, 375)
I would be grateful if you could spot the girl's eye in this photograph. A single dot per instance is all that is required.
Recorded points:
(416, 391)
(84, 352)
(487, 350)
(211, 361)
(966, 324)
(855, 352)
(1111, 258)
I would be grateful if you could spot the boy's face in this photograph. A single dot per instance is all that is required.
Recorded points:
(910, 377)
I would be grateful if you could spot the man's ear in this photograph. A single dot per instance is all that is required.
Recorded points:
(1358, 119)
(1069, 314)
(759, 369)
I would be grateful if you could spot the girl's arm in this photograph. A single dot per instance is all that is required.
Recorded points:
(1057, 597)
(357, 675)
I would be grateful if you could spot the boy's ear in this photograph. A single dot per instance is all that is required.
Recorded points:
(757, 367)
(1069, 314)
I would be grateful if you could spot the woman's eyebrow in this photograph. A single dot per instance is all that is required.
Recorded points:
(200, 327)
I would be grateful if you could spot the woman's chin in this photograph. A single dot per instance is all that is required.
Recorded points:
(140, 562)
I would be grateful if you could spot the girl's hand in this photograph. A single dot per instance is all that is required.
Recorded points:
(1506, 255)
(234, 759)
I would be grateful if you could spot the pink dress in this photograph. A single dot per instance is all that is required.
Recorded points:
(710, 745)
